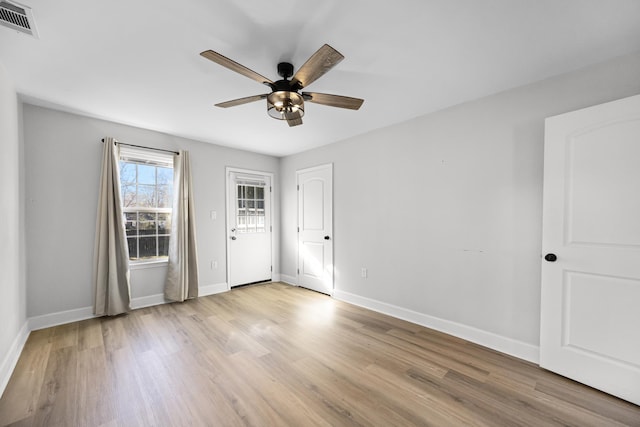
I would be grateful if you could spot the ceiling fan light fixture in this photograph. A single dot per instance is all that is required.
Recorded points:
(286, 102)
(281, 102)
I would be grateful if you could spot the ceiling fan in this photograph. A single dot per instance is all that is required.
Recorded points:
(286, 102)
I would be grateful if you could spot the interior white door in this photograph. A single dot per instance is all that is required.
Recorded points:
(248, 228)
(315, 228)
(590, 312)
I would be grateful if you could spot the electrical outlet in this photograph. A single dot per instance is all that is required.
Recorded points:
(363, 272)
(214, 265)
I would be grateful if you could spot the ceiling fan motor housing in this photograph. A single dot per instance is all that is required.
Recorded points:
(285, 70)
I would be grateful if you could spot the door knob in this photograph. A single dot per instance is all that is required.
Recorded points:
(327, 237)
(233, 237)
(551, 257)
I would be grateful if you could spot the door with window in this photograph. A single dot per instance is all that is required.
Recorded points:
(248, 227)
(590, 319)
(315, 228)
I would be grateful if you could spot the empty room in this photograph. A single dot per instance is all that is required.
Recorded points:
(288, 213)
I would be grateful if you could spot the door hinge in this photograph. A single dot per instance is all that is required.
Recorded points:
(298, 187)
(298, 271)
(272, 268)
(298, 229)
(271, 228)
(270, 189)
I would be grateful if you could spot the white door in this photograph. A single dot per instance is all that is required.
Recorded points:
(248, 227)
(590, 317)
(315, 228)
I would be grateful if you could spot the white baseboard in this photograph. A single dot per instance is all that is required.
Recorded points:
(158, 299)
(289, 280)
(60, 318)
(12, 356)
(496, 342)
(148, 301)
(216, 288)
(75, 315)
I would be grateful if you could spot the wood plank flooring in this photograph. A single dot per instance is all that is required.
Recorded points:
(276, 355)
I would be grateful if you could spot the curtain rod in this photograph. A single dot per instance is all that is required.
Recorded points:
(147, 148)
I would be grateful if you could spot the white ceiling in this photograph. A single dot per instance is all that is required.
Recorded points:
(138, 62)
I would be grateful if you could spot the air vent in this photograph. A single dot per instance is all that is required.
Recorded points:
(17, 17)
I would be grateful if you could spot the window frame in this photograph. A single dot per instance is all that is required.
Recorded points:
(137, 156)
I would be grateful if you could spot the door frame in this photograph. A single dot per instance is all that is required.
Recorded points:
(332, 233)
(227, 224)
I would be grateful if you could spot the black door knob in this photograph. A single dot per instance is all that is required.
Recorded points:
(551, 257)
(327, 237)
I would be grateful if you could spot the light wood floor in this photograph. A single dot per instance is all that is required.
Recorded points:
(276, 355)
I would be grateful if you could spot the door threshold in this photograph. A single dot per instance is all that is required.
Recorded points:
(259, 282)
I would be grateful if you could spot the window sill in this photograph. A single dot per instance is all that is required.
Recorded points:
(140, 265)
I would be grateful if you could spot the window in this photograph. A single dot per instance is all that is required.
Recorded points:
(250, 212)
(146, 184)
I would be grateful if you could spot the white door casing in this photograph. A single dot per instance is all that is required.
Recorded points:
(590, 301)
(249, 230)
(315, 228)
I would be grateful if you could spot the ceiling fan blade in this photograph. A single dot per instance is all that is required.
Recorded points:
(333, 100)
(234, 66)
(320, 62)
(241, 101)
(293, 119)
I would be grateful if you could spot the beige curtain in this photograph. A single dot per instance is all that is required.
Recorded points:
(182, 275)
(111, 254)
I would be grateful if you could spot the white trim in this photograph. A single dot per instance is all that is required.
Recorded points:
(315, 168)
(11, 358)
(60, 318)
(496, 342)
(141, 265)
(78, 314)
(275, 277)
(289, 280)
(216, 288)
(147, 301)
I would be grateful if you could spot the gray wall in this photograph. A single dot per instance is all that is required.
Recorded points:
(62, 167)
(445, 210)
(12, 293)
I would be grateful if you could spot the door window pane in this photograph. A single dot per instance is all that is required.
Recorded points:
(250, 214)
